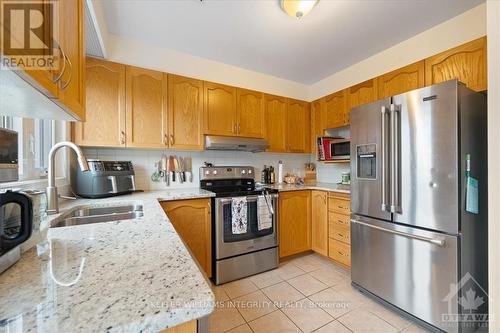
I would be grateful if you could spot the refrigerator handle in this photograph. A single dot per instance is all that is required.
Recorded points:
(384, 164)
(436, 241)
(395, 162)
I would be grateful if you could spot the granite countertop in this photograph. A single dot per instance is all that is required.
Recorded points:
(331, 187)
(129, 275)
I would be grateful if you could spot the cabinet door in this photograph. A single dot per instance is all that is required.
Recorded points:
(298, 127)
(335, 106)
(250, 113)
(319, 221)
(402, 80)
(294, 222)
(276, 112)
(467, 63)
(146, 108)
(72, 83)
(192, 221)
(104, 123)
(362, 93)
(185, 112)
(220, 109)
(317, 123)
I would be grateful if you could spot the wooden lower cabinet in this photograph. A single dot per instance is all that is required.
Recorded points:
(189, 327)
(192, 221)
(294, 222)
(339, 230)
(319, 222)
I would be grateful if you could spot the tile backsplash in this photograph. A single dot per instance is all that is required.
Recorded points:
(144, 162)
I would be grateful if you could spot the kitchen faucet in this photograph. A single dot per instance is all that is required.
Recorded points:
(52, 196)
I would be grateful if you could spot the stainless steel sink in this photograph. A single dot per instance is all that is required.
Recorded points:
(100, 214)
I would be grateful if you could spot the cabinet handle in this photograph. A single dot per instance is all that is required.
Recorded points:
(58, 77)
(171, 139)
(165, 139)
(235, 129)
(122, 137)
(64, 85)
(239, 128)
(340, 221)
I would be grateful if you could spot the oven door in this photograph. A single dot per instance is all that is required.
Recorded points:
(228, 244)
(340, 149)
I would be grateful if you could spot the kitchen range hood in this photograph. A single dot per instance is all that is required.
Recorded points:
(215, 142)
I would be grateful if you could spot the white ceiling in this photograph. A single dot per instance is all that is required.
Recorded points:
(257, 35)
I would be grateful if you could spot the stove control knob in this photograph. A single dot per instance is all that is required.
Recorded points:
(243, 172)
(207, 172)
(214, 172)
(249, 171)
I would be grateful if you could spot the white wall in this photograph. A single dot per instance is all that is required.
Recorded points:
(458, 30)
(493, 161)
(134, 52)
(144, 161)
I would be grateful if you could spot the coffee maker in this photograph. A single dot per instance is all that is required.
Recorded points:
(16, 224)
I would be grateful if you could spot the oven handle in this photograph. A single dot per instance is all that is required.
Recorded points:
(249, 198)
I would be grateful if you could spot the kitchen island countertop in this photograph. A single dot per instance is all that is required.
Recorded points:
(123, 276)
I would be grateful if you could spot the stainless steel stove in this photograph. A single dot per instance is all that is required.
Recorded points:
(250, 247)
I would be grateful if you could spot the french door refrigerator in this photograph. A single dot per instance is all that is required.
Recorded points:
(419, 217)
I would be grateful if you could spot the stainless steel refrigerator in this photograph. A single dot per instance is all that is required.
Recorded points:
(419, 217)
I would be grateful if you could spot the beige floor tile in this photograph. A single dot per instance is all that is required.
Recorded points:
(334, 302)
(288, 271)
(333, 327)
(241, 329)
(275, 322)
(282, 294)
(220, 294)
(414, 328)
(225, 317)
(306, 315)
(254, 305)
(360, 320)
(307, 284)
(239, 288)
(307, 263)
(266, 279)
(387, 314)
(350, 292)
(328, 276)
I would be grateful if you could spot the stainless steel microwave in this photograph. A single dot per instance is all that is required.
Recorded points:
(9, 154)
(333, 149)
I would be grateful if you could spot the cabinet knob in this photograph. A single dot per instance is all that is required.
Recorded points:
(165, 140)
(171, 139)
(122, 137)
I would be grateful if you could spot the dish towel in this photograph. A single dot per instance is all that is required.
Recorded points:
(264, 214)
(239, 215)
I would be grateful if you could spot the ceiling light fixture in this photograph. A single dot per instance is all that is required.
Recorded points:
(298, 8)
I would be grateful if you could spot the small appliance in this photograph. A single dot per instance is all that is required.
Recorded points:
(9, 153)
(333, 149)
(104, 179)
(254, 249)
(16, 223)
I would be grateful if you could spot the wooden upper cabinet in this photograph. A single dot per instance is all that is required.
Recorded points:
(220, 109)
(104, 123)
(467, 63)
(275, 117)
(192, 221)
(298, 127)
(72, 83)
(317, 122)
(250, 113)
(185, 112)
(319, 222)
(362, 93)
(146, 108)
(294, 222)
(335, 108)
(402, 80)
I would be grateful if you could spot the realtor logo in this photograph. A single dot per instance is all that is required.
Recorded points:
(27, 34)
(471, 300)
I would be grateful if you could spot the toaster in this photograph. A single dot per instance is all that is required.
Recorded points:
(104, 179)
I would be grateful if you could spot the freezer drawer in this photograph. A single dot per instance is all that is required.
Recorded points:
(410, 268)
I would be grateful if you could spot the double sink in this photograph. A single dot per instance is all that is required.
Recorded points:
(88, 215)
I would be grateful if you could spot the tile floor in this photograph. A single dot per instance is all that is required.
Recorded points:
(306, 294)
